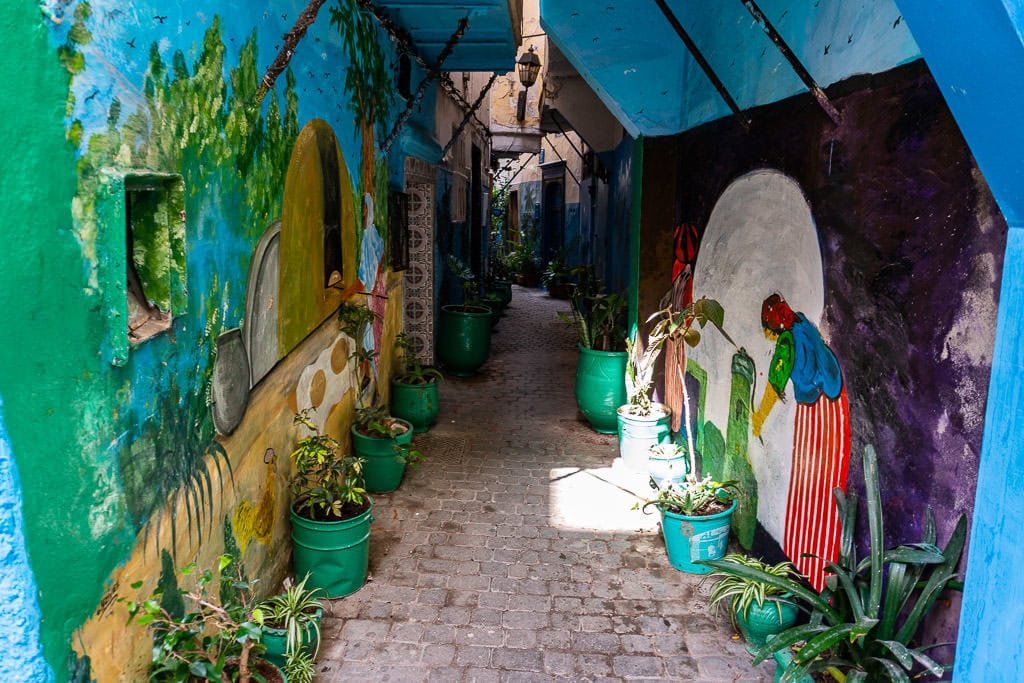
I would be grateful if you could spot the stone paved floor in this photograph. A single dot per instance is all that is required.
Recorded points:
(512, 552)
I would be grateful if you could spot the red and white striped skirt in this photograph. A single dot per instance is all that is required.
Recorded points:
(821, 460)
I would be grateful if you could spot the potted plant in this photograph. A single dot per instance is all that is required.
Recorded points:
(759, 610)
(290, 622)
(667, 463)
(331, 513)
(524, 261)
(414, 390)
(641, 422)
(556, 277)
(203, 634)
(695, 518)
(383, 442)
(864, 624)
(600, 323)
(464, 331)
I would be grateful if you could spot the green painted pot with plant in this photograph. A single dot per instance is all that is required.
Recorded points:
(759, 610)
(290, 622)
(382, 441)
(414, 389)
(865, 624)
(464, 331)
(202, 633)
(695, 519)
(599, 321)
(331, 513)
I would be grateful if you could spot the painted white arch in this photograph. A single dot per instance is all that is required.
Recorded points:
(760, 239)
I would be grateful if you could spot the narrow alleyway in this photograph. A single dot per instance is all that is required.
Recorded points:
(512, 552)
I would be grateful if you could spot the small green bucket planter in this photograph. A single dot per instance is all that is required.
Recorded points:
(330, 513)
(414, 390)
(695, 518)
(335, 553)
(385, 446)
(417, 404)
(464, 339)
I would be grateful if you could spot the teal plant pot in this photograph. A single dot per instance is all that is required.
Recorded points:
(464, 338)
(783, 660)
(666, 469)
(383, 469)
(417, 404)
(689, 539)
(760, 623)
(601, 387)
(504, 288)
(334, 554)
(276, 641)
(638, 433)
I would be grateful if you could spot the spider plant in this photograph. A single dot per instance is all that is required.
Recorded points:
(297, 612)
(742, 592)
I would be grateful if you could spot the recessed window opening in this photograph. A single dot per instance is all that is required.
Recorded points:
(150, 264)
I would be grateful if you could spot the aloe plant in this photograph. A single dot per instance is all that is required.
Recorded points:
(863, 621)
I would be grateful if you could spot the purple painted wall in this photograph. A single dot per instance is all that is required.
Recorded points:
(911, 245)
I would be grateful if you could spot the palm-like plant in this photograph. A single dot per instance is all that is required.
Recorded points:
(863, 621)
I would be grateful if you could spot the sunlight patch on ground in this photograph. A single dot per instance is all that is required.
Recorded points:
(599, 499)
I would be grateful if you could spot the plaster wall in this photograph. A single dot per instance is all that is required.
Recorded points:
(175, 90)
(883, 233)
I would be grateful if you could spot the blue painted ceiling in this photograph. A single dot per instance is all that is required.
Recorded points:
(489, 43)
(632, 58)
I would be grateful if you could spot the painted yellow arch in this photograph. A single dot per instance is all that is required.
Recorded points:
(305, 300)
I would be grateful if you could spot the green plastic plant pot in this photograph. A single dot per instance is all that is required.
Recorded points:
(637, 433)
(601, 387)
(335, 554)
(464, 339)
(504, 287)
(688, 539)
(417, 404)
(761, 622)
(276, 641)
(383, 469)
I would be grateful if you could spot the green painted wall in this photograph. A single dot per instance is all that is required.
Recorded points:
(50, 368)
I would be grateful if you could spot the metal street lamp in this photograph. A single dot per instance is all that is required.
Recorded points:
(528, 67)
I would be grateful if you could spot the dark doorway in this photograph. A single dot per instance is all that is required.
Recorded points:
(554, 218)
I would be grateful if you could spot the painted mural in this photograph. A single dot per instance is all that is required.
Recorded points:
(859, 269)
(178, 434)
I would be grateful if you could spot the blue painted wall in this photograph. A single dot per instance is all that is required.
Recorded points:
(21, 653)
(974, 50)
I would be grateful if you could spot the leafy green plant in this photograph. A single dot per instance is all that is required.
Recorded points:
(326, 485)
(741, 592)
(413, 371)
(864, 621)
(216, 640)
(297, 612)
(353, 319)
(694, 497)
(465, 275)
(522, 257)
(599, 319)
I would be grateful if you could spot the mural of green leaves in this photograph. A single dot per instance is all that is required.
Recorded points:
(198, 123)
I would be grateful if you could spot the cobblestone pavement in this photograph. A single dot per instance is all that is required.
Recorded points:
(512, 552)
